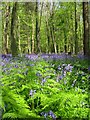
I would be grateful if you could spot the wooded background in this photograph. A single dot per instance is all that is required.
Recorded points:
(45, 27)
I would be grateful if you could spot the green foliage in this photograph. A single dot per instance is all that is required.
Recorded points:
(34, 89)
(51, 25)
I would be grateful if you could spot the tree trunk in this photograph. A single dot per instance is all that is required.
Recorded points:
(39, 26)
(37, 31)
(54, 40)
(65, 42)
(76, 41)
(29, 44)
(6, 28)
(19, 42)
(89, 27)
(33, 34)
(48, 36)
(52, 29)
(13, 35)
(86, 29)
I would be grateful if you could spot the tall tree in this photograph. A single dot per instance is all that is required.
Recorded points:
(6, 27)
(37, 29)
(52, 27)
(89, 26)
(86, 29)
(14, 45)
(33, 34)
(76, 41)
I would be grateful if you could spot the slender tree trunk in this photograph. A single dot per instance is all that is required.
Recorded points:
(86, 29)
(48, 30)
(54, 41)
(33, 34)
(48, 37)
(13, 35)
(6, 27)
(39, 26)
(37, 30)
(65, 42)
(19, 41)
(52, 29)
(89, 27)
(29, 44)
(76, 41)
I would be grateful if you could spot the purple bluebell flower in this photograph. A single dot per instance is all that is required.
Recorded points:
(32, 57)
(2, 84)
(38, 74)
(43, 81)
(5, 69)
(31, 65)
(47, 76)
(80, 56)
(28, 64)
(52, 114)
(59, 67)
(45, 114)
(3, 56)
(61, 77)
(2, 64)
(42, 113)
(89, 68)
(31, 92)
(16, 66)
(68, 68)
(64, 74)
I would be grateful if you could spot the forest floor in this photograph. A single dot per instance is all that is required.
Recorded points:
(46, 86)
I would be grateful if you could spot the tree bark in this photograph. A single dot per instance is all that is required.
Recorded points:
(6, 28)
(89, 27)
(86, 29)
(76, 41)
(14, 45)
(52, 29)
(37, 30)
(48, 36)
(33, 34)
(19, 41)
(65, 42)
(39, 26)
